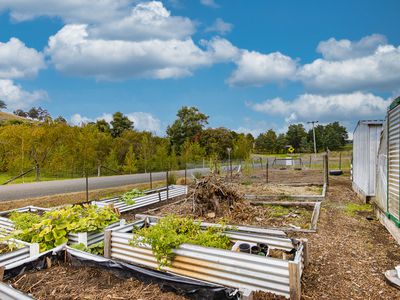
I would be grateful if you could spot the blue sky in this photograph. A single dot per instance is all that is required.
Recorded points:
(249, 65)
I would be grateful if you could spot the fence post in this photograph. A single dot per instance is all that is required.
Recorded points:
(266, 170)
(294, 280)
(151, 180)
(167, 185)
(261, 163)
(340, 160)
(326, 169)
(185, 172)
(310, 162)
(87, 186)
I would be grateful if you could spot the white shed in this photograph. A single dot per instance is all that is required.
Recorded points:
(366, 139)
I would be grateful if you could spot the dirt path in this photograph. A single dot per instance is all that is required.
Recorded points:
(349, 253)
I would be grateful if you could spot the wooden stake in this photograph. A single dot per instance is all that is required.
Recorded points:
(294, 281)
(107, 243)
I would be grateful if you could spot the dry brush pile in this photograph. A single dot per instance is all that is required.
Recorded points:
(211, 194)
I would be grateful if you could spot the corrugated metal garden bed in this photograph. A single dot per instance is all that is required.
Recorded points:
(152, 197)
(19, 251)
(247, 272)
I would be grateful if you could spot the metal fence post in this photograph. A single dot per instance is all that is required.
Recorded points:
(266, 171)
(87, 186)
(151, 181)
(185, 172)
(167, 185)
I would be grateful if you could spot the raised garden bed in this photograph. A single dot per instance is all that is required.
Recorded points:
(284, 192)
(7, 226)
(12, 251)
(244, 271)
(288, 216)
(152, 197)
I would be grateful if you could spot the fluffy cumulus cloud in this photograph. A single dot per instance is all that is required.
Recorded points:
(257, 69)
(148, 20)
(367, 65)
(326, 108)
(16, 97)
(141, 120)
(73, 51)
(93, 11)
(333, 49)
(220, 26)
(19, 61)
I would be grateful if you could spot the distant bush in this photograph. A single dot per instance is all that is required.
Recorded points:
(172, 178)
(197, 175)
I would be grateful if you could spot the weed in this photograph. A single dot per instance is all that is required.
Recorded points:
(353, 208)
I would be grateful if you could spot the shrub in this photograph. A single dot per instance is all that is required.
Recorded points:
(172, 178)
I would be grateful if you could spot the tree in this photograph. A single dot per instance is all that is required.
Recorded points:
(3, 105)
(281, 143)
(112, 161)
(103, 126)
(130, 162)
(215, 142)
(187, 126)
(267, 141)
(20, 113)
(242, 146)
(192, 152)
(295, 135)
(60, 119)
(120, 123)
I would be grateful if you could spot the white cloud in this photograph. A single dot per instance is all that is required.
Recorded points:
(257, 69)
(141, 120)
(17, 98)
(148, 20)
(333, 49)
(73, 51)
(69, 10)
(325, 108)
(220, 26)
(18, 61)
(378, 71)
(210, 3)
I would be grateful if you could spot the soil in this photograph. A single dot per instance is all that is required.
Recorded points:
(278, 189)
(350, 253)
(64, 282)
(288, 176)
(245, 213)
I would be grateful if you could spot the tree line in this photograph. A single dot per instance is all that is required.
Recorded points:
(54, 147)
(332, 136)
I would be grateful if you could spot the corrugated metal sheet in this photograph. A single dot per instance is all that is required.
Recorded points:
(365, 149)
(233, 269)
(24, 251)
(7, 292)
(393, 146)
(157, 195)
(381, 172)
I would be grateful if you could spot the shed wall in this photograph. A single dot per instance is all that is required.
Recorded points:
(365, 149)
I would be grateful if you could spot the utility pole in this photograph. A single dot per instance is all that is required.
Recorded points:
(313, 130)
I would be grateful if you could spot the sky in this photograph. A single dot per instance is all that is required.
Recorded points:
(249, 65)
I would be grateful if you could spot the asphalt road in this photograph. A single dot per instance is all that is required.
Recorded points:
(46, 188)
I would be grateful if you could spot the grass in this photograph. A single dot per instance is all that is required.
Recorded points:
(353, 208)
(26, 179)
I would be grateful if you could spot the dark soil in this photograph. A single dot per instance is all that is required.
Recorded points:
(64, 282)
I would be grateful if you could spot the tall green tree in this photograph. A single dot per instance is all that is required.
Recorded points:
(295, 135)
(120, 123)
(189, 124)
(267, 141)
(130, 162)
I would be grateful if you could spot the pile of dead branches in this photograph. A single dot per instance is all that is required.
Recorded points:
(212, 194)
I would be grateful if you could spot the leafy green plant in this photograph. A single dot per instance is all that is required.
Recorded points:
(172, 231)
(55, 225)
(24, 220)
(97, 249)
(129, 197)
(9, 246)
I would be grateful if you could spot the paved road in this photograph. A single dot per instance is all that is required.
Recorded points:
(46, 188)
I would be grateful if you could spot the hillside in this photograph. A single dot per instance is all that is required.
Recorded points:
(4, 116)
